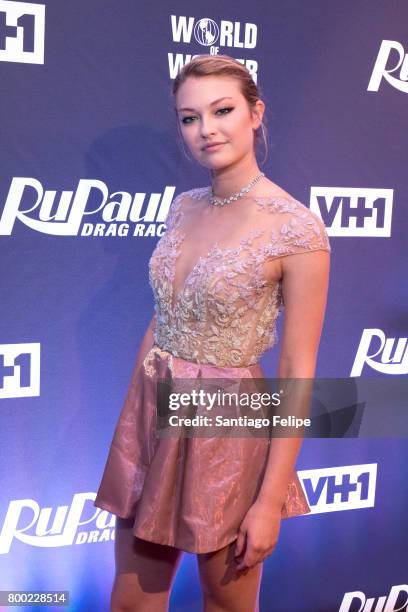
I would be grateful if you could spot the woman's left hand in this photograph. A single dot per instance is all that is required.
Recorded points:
(258, 534)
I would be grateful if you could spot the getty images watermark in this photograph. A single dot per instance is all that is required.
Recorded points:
(198, 398)
(277, 407)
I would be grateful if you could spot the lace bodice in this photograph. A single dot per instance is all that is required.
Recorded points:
(213, 300)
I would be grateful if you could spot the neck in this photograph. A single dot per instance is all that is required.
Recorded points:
(230, 180)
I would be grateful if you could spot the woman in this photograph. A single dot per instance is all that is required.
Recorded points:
(234, 253)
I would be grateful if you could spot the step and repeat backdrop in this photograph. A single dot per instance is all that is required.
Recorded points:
(89, 164)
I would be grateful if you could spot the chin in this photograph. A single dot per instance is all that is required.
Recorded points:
(215, 164)
(216, 167)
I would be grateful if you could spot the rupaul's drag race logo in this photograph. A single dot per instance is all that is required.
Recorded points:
(90, 210)
(398, 596)
(382, 354)
(78, 523)
(211, 37)
(391, 58)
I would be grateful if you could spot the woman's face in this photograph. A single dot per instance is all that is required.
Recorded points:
(213, 109)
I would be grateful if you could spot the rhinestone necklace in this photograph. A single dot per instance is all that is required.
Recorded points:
(221, 201)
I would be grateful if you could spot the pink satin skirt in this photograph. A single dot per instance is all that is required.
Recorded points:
(190, 493)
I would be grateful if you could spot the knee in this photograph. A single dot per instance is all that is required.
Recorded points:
(231, 594)
(120, 603)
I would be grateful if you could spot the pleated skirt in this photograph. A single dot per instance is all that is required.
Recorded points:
(188, 492)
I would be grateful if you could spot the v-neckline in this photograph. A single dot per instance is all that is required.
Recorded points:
(174, 298)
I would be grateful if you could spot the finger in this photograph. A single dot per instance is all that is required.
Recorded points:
(248, 559)
(262, 557)
(240, 544)
(252, 558)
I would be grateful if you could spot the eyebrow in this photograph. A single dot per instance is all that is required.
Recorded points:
(212, 103)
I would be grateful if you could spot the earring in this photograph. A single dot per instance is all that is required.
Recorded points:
(265, 141)
(263, 134)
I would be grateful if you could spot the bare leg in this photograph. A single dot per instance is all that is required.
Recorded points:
(144, 572)
(224, 588)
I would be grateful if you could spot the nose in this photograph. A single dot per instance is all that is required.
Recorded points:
(207, 127)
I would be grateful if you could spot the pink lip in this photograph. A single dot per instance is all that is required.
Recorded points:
(213, 147)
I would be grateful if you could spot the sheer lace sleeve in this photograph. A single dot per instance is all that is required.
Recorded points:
(300, 231)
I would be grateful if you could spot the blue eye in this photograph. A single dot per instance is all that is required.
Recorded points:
(228, 109)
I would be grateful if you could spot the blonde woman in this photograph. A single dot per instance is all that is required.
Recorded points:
(235, 253)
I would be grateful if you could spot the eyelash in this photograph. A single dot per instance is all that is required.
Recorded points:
(227, 108)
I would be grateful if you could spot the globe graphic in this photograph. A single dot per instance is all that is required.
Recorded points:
(206, 32)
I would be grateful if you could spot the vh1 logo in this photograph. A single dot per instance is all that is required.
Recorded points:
(340, 488)
(20, 370)
(348, 211)
(22, 27)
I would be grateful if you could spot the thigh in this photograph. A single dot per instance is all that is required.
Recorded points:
(144, 571)
(225, 588)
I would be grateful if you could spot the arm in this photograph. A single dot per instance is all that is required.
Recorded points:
(147, 342)
(304, 288)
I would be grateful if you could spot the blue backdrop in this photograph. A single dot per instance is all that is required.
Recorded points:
(86, 121)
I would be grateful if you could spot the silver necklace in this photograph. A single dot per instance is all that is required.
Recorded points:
(221, 201)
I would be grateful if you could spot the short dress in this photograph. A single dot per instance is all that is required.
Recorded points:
(214, 320)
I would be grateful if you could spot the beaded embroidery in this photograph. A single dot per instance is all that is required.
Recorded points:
(225, 311)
